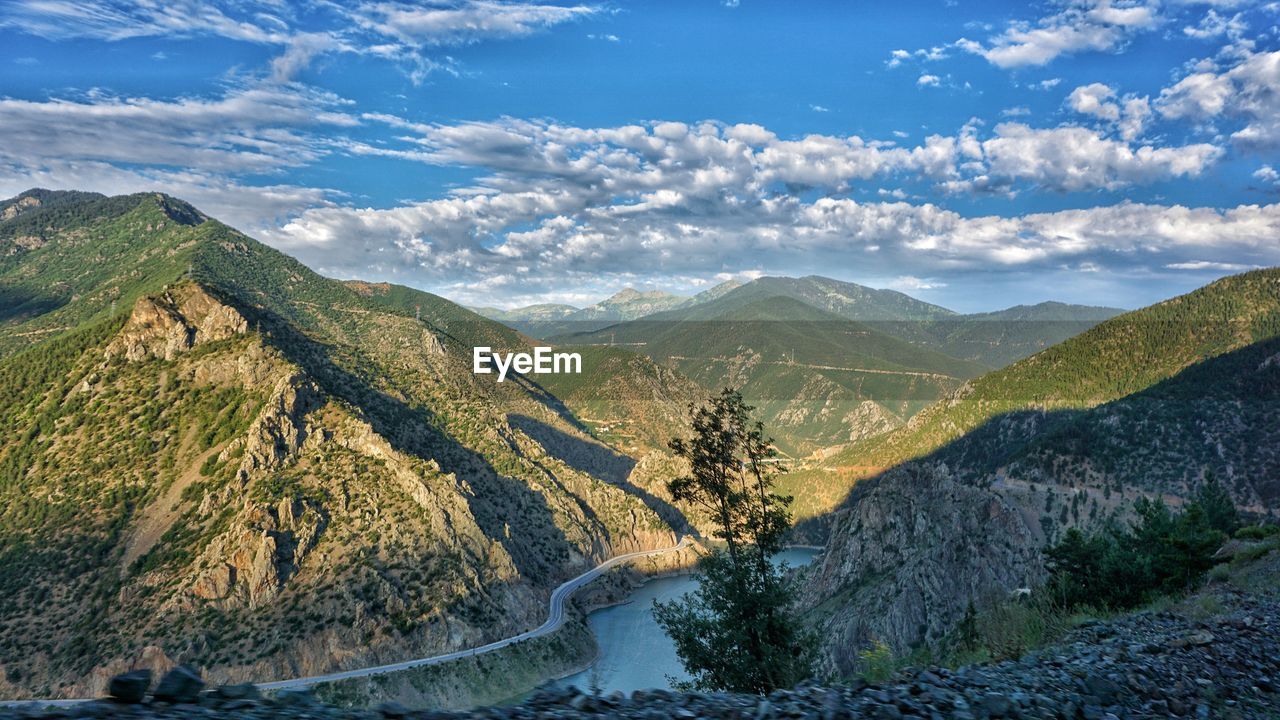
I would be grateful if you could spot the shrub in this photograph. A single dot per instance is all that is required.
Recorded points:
(1161, 553)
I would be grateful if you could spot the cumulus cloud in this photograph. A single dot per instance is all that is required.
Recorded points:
(1128, 114)
(927, 80)
(1094, 99)
(558, 205)
(1213, 26)
(428, 240)
(1248, 91)
(1082, 25)
(632, 167)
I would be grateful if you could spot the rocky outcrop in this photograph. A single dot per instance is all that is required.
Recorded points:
(906, 555)
(166, 325)
(19, 206)
(250, 562)
(281, 428)
(868, 419)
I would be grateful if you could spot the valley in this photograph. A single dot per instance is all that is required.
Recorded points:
(246, 466)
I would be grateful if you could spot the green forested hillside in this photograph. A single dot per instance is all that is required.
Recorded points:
(1121, 356)
(244, 465)
(996, 339)
(79, 256)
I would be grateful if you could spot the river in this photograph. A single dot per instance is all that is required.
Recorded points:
(634, 652)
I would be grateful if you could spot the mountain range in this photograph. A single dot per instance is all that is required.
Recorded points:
(220, 457)
(548, 319)
(832, 362)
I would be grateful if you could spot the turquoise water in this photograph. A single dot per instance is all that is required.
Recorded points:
(634, 652)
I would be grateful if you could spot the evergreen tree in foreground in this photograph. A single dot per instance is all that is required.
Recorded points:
(738, 631)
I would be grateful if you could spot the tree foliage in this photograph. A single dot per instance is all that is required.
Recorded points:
(738, 631)
(1160, 553)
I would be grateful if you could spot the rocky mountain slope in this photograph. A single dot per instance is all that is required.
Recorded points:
(225, 459)
(1149, 403)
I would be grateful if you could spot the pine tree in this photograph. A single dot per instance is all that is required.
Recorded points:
(738, 631)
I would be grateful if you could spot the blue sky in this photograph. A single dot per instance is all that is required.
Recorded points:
(977, 155)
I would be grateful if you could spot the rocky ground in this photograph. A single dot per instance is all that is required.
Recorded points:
(1155, 664)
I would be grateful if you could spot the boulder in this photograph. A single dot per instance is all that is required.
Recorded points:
(180, 685)
(130, 687)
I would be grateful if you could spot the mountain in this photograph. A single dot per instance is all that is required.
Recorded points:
(817, 377)
(1150, 403)
(547, 320)
(545, 312)
(226, 459)
(996, 339)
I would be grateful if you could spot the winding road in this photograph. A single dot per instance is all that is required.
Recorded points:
(555, 618)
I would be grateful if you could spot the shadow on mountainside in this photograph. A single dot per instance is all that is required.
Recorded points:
(19, 304)
(1158, 440)
(600, 461)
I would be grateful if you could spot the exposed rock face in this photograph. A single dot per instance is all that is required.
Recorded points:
(868, 419)
(249, 564)
(281, 428)
(908, 553)
(19, 206)
(180, 319)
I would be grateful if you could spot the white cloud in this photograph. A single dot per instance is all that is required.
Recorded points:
(910, 282)
(1070, 159)
(928, 80)
(1248, 91)
(463, 23)
(1268, 174)
(402, 32)
(933, 54)
(1082, 25)
(1213, 25)
(1209, 265)
(255, 129)
(247, 20)
(556, 205)
(1094, 99)
(431, 243)
(1129, 114)
(819, 108)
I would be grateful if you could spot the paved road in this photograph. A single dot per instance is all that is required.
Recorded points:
(555, 618)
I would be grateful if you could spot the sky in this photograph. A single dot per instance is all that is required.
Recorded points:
(972, 154)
